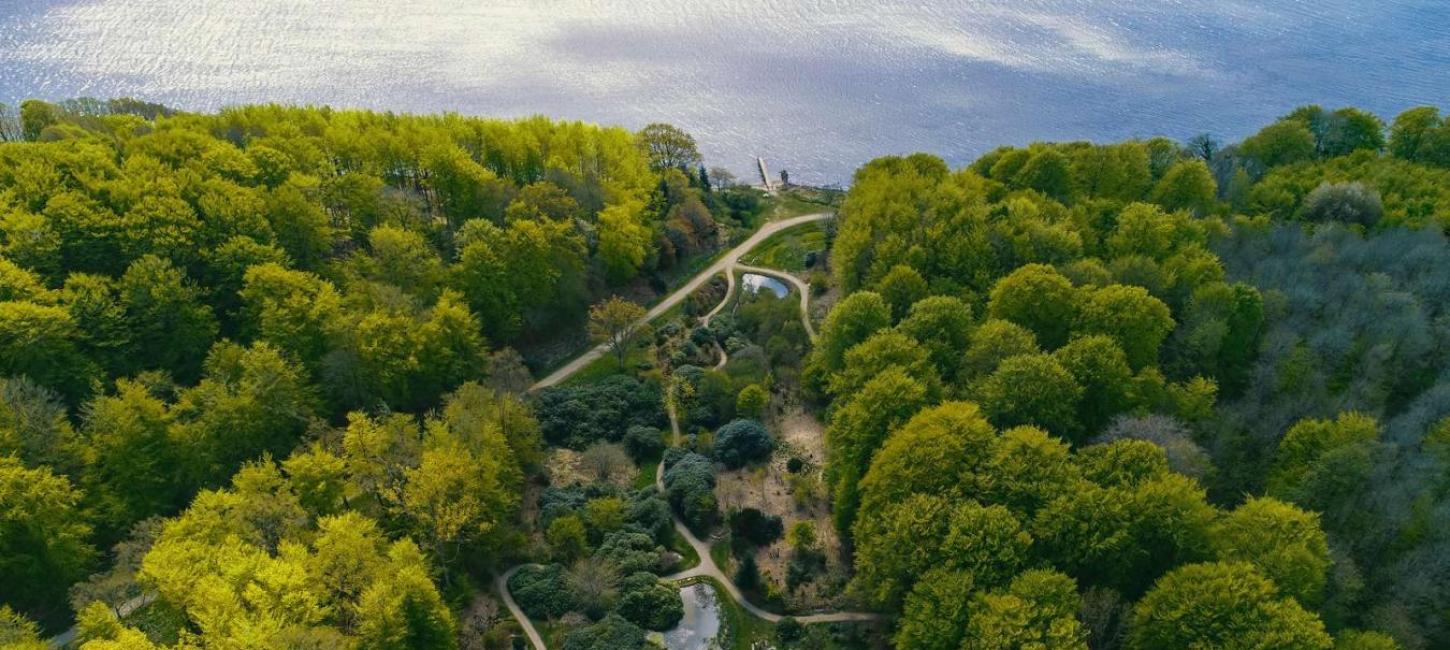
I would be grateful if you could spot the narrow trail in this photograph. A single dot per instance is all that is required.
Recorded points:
(502, 584)
(801, 288)
(725, 263)
(708, 568)
(729, 265)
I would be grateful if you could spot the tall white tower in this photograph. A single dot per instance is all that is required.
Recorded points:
(764, 175)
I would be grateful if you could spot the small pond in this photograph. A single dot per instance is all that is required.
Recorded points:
(754, 282)
(701, 623)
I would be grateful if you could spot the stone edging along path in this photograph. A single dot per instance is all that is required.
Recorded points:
(707, 567)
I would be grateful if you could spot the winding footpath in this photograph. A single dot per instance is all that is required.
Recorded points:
(729, 264)
(708, 568)
(725, 264)
(502, 584)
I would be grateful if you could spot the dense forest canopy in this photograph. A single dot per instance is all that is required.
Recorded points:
(266, 372)
(300, 321)
(1198, 385)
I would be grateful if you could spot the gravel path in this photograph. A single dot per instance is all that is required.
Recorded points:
(725, 263)
(728, 264)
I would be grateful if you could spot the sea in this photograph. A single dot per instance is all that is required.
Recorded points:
(816, 87)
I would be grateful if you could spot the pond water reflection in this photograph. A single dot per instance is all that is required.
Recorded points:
(701, 623)
(754, 283)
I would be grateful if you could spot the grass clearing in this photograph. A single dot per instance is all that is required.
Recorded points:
(786, 250)
(798, 200)
(689, 558)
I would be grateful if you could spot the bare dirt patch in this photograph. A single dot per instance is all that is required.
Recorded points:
(774, 490)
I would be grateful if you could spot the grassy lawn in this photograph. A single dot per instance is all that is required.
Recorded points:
(608, 366)
(720, 552)
(787, 250)
(646, 475)
(797, 201)
(689, 558)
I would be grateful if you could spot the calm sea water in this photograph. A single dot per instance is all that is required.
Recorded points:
(816, 86)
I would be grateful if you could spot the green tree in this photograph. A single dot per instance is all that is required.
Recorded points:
(860, 426)
(941, 451)
(1047, 171)
(1136, 320)
(852, 321)
(1032, 389)
(134, 458)
(36, 116)
(751, 401)
(44, 537)
(39, 342)
(884, 349)
(943, 325)
(901, 288)
(935, 614)
(1038, 298)
(1038, 610)
(567, 538)
(18, 632)
(1409, 130)
(403, 259)
(1223, 605)
(994, 342)
(1281, 143)
(1310, 439)
(293, 310)
(169, 327)
(1098, 364)
(623, 240)
(895, 549)
(1188, 185)
(1363, 640)
(668, 146)
(250, 401)
(1350, 130)
(617, 323)
(1282, 541)
(405, 611)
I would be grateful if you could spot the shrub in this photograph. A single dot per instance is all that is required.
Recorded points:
(690, 488)
(648, 603)
(741, 442)
(650, 514)
(643, 442)
(541, 591)
(756, 527)
(576, 416)
(631, 552)
(789, 630)
(751, 401)
(612, 633)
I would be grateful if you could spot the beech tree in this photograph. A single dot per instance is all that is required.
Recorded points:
(617, 323)
(1227, 605)
(1038, 298)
